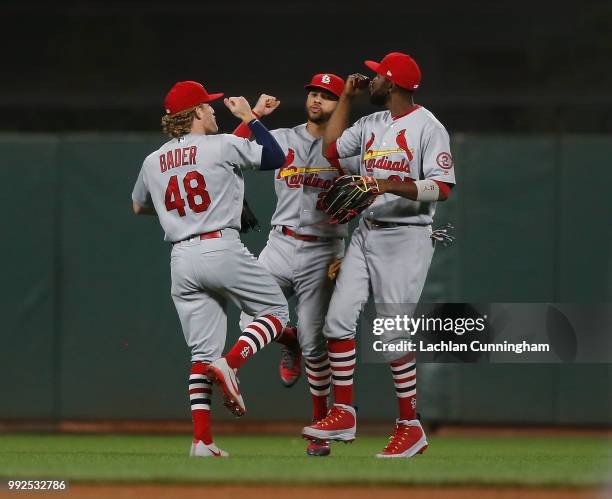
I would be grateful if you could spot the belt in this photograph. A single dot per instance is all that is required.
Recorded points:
(377, 224)
(207, 235)
(288, 232)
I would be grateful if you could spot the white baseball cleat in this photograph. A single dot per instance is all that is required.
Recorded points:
(223, 375)
(407, 440)
(200, 449)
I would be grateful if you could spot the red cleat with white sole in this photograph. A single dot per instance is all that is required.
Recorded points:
(340, 424)
(408, 440)
(222, 374)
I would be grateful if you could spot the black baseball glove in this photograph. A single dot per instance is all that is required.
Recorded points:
(348, 196)
(248, 220)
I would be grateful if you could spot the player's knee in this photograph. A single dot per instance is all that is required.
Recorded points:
(334, 330)
(313, 348)
(281, 312)
(204, 358)
(345, 335)
(245, 320)
(389, 357)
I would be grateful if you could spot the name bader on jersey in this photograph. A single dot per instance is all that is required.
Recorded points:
(178, 157)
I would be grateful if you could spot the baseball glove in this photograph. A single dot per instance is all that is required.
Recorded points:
(348, 196)
(333, 269)
(248, 220)
(443, 235)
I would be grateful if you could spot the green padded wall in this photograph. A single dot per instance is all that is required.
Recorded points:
(29, 356)
(89, 328)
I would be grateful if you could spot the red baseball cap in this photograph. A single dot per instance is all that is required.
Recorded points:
(400, 68)
(327, 81)
(186, 94)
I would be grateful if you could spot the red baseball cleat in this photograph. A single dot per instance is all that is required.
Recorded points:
(222, 374)
(290, 367)
(408, 440)
(339, 424)
(318, 448)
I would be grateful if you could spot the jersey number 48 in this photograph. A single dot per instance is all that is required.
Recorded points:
(198, 198)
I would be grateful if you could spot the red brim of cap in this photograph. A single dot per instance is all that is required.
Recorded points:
(212, 97)
(372, 65)
(309, 86)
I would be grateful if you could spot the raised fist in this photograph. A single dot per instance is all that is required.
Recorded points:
(240, 108)
(356, 84)
(266, 104)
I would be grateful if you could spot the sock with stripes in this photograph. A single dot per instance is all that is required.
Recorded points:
(319, 379)
(288, 337)
(200, 393)
(404, 379)
(255, 336)
(342, 361)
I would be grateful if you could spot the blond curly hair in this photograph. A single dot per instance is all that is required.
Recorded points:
(178, 124)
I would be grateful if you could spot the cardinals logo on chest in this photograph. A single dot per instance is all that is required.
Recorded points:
(387, 159)
(297, 176)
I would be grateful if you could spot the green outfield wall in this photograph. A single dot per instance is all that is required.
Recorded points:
(89, 330)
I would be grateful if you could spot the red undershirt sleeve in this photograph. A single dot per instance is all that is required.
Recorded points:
(332, 151)
(243, 129)
(444, 187)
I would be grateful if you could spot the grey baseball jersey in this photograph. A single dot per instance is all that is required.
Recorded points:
(300, 267)
(303, 180)
(195, 184)
(414, 146)
(393, 261)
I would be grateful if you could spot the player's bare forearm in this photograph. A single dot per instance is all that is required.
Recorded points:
(143, 210)
(403, 189)
(338, 121)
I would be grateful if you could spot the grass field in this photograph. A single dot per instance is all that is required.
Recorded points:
(508, 461)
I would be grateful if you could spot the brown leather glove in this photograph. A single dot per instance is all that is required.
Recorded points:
(333, 269)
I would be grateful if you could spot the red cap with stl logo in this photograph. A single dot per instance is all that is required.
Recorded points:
(327, 81)
(400, 68)
(186, 94)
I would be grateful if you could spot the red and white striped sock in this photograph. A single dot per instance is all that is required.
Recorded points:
(255, 336)
(319, 379)
(404, 379)
(200, 393)
(288, 337)
(342, 355)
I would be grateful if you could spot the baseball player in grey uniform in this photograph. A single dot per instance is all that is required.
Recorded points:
(406, 149)
(194, 184)
(302, 243)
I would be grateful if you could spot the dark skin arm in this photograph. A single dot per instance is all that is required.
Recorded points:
(143, 210)
(339, 120)
(404, 189)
